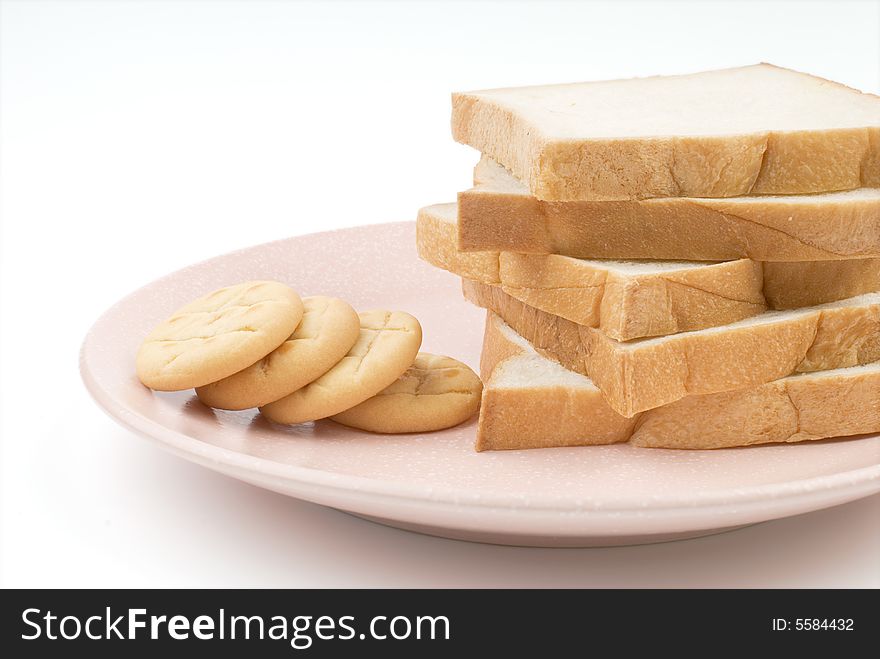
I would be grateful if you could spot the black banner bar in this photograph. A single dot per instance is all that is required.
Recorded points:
(431, 622)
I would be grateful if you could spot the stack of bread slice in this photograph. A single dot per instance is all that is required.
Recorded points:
(683, 262)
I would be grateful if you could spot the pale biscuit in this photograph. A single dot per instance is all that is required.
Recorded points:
(218, 335)
(328, 330)
(387, 345)
(434, 393)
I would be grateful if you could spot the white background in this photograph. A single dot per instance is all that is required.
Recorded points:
(140, 137)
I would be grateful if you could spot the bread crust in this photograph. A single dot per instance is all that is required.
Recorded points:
(641, 375)
(629, 305)
(500, 214)
(842, 402)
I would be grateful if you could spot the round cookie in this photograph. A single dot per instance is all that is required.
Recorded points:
(328, 330)
(218, 335)
(387, 345)
(434, 393)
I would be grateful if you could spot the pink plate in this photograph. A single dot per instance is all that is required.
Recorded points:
(436, 483)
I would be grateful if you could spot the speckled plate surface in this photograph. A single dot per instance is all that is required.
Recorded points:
(436, 483)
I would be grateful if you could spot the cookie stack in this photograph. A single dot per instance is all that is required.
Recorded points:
(258, 344)
(682, 262)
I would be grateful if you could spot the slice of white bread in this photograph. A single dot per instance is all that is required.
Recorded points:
(530, 401)
(500, 214)
(645, 373)
(752, 130)
(629, 300)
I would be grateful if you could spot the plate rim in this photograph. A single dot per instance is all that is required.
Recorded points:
(862, 481)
